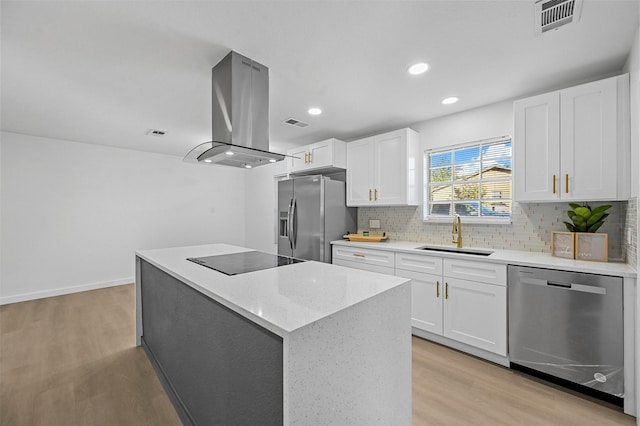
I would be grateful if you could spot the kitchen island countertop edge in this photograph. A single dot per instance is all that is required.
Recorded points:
(281, 299)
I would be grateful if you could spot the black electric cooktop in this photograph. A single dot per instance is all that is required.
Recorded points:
(240, 263)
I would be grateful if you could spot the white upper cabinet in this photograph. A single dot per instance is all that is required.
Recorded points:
(536, 156)
(325, 156)
(573, 144)
(360, 173)
(382, 170)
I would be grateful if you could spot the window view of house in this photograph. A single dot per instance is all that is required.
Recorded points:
(474, 180)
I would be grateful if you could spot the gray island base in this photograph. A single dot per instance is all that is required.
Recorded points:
(302, 344)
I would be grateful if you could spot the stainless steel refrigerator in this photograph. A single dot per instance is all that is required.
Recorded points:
(312, 212)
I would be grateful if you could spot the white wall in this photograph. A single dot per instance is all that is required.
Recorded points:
(633, 68)
(73, 214)
(467, 126)
(261, 206)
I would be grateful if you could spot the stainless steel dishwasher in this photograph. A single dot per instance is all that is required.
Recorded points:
(567, 327)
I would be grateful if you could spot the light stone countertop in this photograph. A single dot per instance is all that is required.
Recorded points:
(281, 299)
(510, 257)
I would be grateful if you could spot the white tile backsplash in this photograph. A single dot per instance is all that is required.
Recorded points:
(630, 235)
(530, 229)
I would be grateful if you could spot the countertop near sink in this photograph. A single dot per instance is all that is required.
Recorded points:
(511, 257)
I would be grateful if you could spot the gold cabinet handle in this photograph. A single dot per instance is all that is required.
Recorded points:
(554, 184)
(566, 183)
(446, 290)
(437, 288)
(358, 254)
(369, 195)
(310, 158)
(375, 191)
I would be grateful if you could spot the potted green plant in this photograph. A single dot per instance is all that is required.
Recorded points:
(585, 222)
(585, 219)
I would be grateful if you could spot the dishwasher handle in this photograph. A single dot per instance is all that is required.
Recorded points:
(565, 286)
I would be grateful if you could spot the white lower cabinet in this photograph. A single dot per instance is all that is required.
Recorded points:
(426, 300)
(462, 300)
(476, 314)
(427, 286)
(472, 310)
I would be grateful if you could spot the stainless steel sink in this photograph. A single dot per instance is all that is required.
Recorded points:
(477, 252)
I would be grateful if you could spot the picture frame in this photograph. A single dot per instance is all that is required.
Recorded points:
(563, 244)
(592, 246)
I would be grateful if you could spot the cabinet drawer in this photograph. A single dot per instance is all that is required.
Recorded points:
(365, 256)
(363, 266)
(419, 263)
(491, 273)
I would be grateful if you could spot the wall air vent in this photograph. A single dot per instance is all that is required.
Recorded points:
(155, 132)
(294, 122)
(551, 14)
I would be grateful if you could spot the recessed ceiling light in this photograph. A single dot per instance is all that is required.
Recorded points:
(314, 111)
(419, 68)
(230, 153)
(450, 100)
(272, 160)
(247, 166)
(208, 160)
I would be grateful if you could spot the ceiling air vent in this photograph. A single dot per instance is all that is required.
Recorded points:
(551, 14)
(295, 122)
(155, 132)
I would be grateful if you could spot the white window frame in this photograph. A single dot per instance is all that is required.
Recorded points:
(426, 217)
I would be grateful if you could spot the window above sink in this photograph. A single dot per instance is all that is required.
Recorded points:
(471, 180)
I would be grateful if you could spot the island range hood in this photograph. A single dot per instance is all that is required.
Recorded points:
(240, 138)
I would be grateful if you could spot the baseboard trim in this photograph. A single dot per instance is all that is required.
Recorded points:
(62, 291)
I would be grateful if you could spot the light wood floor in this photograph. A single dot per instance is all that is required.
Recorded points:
(71, 360)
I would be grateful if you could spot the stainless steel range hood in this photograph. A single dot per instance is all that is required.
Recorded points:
(240, 89)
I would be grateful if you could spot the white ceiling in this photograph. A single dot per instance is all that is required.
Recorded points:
(106, 72)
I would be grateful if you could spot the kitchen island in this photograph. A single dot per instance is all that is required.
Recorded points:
(304, 343)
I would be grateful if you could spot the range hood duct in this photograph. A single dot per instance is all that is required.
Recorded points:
(240, 88)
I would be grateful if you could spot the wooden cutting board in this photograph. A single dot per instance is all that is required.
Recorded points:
(365, 239)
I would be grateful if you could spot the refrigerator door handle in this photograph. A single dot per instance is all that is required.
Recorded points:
(294, 223)
(290, 223)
